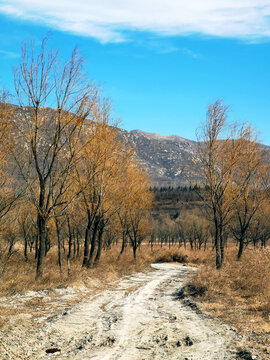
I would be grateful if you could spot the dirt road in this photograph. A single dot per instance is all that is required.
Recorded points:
(139, 318)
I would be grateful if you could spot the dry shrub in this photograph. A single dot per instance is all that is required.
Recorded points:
(172, 255)
(249, 276)
(182, 255)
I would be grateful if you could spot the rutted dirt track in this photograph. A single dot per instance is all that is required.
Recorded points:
(139, 318)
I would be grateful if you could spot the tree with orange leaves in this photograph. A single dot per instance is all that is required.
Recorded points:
(134, 214)
(8, 192)
(99, 176)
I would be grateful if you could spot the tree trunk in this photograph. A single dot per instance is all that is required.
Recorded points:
(100, 243)
(31, 243)
(124, 236)
(59, 245)
(241, 248)
(25, 242)
(217, 246)
(134, 251)
(11, 243)
(47, 243)
(86, 241)
(41, 245)
(36, 246)
(41, 227)
(93, 244)
(25, 249)
(221, 239)
(69, 245)
(78, 244)
(74, 244)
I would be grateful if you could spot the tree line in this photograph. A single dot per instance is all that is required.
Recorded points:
(64, 172)
(176, 194)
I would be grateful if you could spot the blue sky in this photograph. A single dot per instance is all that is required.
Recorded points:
(161, 62)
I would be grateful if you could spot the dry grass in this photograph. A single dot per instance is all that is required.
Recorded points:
(239, 293)
(183, 255)
(19, 275)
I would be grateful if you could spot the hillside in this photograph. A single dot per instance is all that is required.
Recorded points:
(170, 160)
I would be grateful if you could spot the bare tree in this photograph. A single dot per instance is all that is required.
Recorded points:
(249, 178)
(221, 160)
(47, 141)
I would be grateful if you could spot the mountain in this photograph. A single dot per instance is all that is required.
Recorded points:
(170, 160)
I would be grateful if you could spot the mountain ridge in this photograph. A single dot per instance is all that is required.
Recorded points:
(169, 159)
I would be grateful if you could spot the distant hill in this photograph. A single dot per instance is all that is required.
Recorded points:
(170, 160)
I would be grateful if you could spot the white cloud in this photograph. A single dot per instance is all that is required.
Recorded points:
(107, 20)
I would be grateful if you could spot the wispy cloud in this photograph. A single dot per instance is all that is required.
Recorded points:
(191, 53)
(160, 46)
(108, 20)
(167, 49)
(9, 54)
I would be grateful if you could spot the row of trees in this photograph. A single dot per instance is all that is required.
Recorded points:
(193, 229)
(64, 170)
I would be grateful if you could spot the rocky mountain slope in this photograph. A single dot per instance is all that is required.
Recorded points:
(170, 160)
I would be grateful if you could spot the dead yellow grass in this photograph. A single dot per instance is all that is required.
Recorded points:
(19, 275)
(183, 255)
(239, 293)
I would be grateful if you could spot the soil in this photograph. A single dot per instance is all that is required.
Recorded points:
(139, 317)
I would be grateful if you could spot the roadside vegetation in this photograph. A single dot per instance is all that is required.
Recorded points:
(240, 292)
